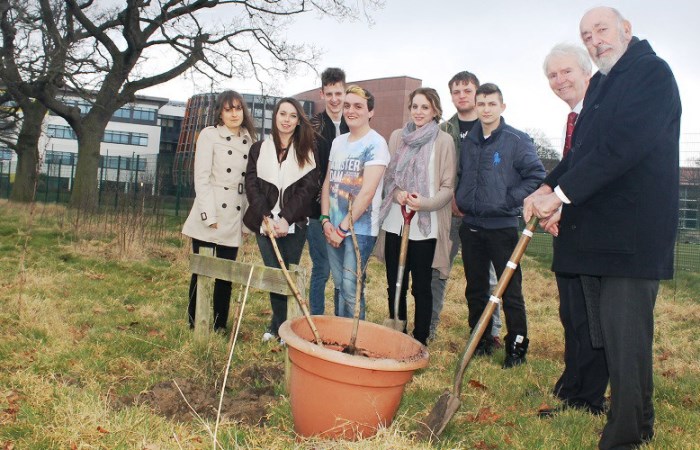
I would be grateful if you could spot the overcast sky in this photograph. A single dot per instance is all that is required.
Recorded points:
(503, 42)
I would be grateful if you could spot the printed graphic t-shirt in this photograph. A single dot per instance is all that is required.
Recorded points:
(347, 162)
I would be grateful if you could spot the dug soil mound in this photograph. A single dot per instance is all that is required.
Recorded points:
(247, 400)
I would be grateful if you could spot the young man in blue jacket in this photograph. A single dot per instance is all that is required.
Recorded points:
(499, 168)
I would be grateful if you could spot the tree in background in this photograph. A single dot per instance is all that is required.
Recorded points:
(220, 39)
(36, 37)
(549, 156)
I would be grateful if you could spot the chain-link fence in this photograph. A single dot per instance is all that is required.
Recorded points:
(158, 183)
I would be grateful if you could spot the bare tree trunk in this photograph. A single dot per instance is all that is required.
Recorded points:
(27, 148)
(84, 195)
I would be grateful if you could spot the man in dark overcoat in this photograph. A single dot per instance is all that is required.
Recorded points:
(619, 189)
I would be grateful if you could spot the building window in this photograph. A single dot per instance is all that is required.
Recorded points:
(61, 132)
(688, 208)
(63, 158)
(123, 113)
(81, 104)
(123, 137)
(116, 137)
(123, 163)
(6, 153)
(146, 114)
(139, 139)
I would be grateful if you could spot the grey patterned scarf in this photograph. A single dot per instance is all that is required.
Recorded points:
(408, 169)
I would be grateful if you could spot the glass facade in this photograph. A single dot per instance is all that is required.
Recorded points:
(127, 113)
(110, 136)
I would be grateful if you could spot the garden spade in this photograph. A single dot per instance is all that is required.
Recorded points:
(448, 403)
(396, 323)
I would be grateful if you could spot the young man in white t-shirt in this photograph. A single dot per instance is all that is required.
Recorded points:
(355, 170)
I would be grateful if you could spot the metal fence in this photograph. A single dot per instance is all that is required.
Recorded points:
(687, 249)
(157, 183)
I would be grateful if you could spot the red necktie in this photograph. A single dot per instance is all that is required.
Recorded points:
(570, 121)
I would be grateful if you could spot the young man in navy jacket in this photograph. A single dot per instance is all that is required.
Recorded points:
(499, 168)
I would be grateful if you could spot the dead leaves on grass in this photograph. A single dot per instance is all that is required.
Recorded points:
(477, 385)
(484, 416)
(9, 414)
(482, 445)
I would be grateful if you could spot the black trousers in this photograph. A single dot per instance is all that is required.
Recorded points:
(627, 322)
(585, 376)
(222, 289)
(290, 247)
(481, 247)
(419, 261)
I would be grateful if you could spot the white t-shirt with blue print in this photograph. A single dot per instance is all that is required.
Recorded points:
(346, 163)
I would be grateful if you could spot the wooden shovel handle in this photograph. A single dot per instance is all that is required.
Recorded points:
(302, 303)
(483, 322)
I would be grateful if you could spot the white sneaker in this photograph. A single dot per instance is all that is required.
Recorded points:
(268, 336)
(282, 343)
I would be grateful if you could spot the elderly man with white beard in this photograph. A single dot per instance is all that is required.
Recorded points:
(619, 190)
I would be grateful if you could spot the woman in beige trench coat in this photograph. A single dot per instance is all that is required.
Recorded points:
(220, 163)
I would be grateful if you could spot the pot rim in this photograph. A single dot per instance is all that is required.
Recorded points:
(418, 361)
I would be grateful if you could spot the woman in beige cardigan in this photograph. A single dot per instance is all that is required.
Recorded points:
(420, 177)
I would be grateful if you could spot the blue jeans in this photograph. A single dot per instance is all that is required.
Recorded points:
(320, 270)
(290, 247)
(343, 268)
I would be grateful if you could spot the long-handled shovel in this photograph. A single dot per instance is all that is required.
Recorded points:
(449, 402)
(302, 303)
(396, 323)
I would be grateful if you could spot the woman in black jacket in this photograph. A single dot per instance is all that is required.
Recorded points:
(281, 183)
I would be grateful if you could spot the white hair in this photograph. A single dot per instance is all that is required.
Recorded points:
(564, 49)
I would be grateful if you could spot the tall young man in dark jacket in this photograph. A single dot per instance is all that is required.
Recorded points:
(463, 86)
(328, 124)
(499, 168)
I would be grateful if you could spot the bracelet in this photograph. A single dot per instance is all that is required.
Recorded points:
(323, 217)
(341, 229)
(324, 222)
(340, 233)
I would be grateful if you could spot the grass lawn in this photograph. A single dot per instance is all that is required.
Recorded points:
(95, 349)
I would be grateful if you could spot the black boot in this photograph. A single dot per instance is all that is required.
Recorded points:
(516, 348)
(485, 346)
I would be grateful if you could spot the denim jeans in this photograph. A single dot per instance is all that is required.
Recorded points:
(320, 270)
(290, 247)
(343, 268)
(439, 286)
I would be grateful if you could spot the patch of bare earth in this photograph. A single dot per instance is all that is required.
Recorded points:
(247, 405)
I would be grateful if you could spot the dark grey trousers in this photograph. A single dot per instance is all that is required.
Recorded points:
(627, 322)
(585, 376)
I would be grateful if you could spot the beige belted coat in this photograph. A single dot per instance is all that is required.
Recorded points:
(220, 162)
